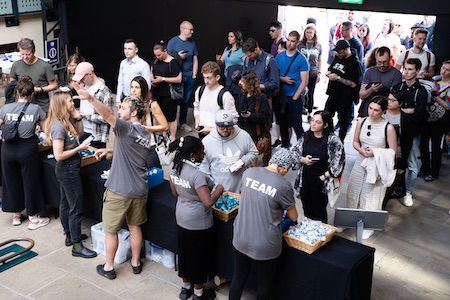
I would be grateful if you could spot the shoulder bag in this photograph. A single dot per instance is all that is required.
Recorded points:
(162, 146)
(279, 101)
(262, 142)
(10, 132)
(176, 89)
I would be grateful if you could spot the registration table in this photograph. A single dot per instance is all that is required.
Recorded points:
(341, 269)
(93, 185)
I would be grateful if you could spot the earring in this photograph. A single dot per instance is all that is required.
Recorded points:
(192, 159)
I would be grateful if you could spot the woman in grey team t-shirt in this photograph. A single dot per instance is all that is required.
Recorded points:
(20, 159)
(193, 215)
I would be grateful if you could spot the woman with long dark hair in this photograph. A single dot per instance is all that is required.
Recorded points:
(164, 71)
(20, 159)
(154, 120)
(63, 129)
(193, 215)
(232, 54)
(322, 156)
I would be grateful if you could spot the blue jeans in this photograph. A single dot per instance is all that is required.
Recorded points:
(184, 105)
(71, 206)
(413, 165)
(295, 115)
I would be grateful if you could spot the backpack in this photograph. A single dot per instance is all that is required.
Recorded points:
(407, 53)
(219, 96)
(10, 92)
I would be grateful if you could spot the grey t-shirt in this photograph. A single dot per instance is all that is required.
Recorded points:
(128, 175)
(59, 132)
(190, 211)
(9, 113)
(264, 196)
(41, 73)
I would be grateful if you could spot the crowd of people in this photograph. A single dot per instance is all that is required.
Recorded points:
(233, 117)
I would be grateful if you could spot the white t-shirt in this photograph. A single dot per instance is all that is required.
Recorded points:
(422, 56)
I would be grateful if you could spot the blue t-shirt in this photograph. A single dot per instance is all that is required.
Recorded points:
(177, 44)
(299, 65)
(232, 57)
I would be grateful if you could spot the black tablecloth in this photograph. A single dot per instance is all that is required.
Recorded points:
(161, 227)
(93, 185)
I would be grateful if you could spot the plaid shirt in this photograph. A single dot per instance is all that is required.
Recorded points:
(100, 128)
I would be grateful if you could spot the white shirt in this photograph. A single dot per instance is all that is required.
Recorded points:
(129, 69)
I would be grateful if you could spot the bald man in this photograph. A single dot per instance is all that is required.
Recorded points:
(187, 50)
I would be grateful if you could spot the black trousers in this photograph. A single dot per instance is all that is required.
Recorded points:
(332, 106)
(313, 199)
(431, 131)
(21, 177)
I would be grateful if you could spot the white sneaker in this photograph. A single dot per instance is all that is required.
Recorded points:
(407, 200)
(17, 220)
(186, 127)
(367, 233)
(37, 222)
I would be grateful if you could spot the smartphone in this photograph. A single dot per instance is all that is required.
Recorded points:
(376, 82)
(88, 139)
(315, 158)
(244, 112)
(184, 51)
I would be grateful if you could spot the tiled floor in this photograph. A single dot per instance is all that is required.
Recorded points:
(412, 258)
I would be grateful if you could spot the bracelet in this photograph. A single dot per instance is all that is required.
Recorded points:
(76, 120)
(338, 79)
(42, 89)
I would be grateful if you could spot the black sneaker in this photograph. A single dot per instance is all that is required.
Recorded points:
(207, 295)
(107, 274)
(186, 293)
(276, 143)
(430, 178)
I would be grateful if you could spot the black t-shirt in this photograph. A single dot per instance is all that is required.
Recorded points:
(316, 147)
(164, 69)
(347, 68)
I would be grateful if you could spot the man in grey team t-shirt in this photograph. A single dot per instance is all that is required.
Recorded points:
(126, 188)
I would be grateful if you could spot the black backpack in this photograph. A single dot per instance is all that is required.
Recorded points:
(10, 92)
(219, 96)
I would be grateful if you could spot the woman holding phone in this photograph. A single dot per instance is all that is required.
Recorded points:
(63, 128)
(322, 156)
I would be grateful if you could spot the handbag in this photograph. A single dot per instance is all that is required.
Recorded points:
(396, 190)
(162, 146)
(262, 142)
(10, 132)
(176, 91)
(435, 111)
(332, 187)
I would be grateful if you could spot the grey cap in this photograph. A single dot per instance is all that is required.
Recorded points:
(224, 118)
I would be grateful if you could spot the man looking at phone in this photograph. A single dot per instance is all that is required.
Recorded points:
(187, 51)
(209, 98)
(93, 122)
(378, 80)
(229, 150)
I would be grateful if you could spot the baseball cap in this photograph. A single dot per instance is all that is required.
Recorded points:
(417, 25)
(340, 45)
(82, 69)
(224, 118)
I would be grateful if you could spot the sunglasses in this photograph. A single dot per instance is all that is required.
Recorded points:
(229, 53)
(369, 127)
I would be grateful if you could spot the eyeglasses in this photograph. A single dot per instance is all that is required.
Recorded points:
(369, 127)
(190, 29)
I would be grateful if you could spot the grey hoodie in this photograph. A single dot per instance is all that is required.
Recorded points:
(222, 152)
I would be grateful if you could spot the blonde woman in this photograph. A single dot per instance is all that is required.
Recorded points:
(63, 127)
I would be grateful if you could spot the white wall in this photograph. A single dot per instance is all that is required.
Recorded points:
(30, 26)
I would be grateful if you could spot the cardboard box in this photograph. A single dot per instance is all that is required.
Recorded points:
(99, 246)
(155, 176)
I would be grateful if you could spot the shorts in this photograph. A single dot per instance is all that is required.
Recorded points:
(169, 108)
(116, 208)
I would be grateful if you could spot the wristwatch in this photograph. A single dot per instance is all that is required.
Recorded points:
(76, 120)
(338, 79)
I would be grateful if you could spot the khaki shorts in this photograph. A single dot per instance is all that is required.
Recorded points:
(116, 208)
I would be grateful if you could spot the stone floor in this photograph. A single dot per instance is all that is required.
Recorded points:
(412, 257)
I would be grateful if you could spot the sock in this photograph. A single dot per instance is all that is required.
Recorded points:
(187, 285)
(32, 218)
(198, 292)
(77, 246)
